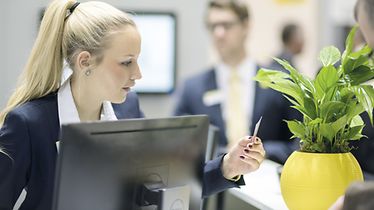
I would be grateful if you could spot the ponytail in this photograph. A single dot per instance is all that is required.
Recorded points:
(62, 35)
(42, 73)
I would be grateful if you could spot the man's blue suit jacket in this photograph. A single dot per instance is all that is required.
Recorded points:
(269, 104)
(29, 136)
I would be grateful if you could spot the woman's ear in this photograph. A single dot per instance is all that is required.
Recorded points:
(83, 60)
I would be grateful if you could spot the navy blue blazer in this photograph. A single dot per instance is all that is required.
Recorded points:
(269, 104)
(29, 136)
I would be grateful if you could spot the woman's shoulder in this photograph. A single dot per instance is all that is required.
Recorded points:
(37, 107)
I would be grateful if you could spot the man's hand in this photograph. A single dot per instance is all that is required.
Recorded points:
(244, 157)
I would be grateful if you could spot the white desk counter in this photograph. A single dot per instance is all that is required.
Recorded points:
(262, 189)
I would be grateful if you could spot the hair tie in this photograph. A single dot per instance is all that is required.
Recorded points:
(72, 8)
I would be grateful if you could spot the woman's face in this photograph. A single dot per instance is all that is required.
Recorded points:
(113, 77)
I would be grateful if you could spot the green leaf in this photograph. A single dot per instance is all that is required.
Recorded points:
(364, 96)
(326, 131)
(370, 91)
(354, 133)
(269, 76)
(302, 110)
(279, 81)
(339, 124)
(360, 75)
(329, 56)
(332, 110)
(297, 128)
(357, 137)
(315, 122)
(326, 78)
(329, 130)
(357, 59)
(298, 78)
(288, 67)
(347, 95)
(349, 45)
(364, 51)
(331, 93)
(354, 109)
(357, 121)
(310, 107)
(291, 100)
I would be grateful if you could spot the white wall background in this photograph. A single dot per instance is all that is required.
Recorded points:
(2, 57)
(335, 15)
(266, 34)
(19, 19)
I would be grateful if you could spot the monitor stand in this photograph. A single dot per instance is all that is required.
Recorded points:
(156, 196)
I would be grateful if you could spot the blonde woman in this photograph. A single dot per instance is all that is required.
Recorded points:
(101, 45)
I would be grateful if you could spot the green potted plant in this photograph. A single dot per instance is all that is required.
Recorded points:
(331, 104)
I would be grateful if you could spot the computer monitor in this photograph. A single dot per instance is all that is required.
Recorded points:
(158, 54)
(137, 164)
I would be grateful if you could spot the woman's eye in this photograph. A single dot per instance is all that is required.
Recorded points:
(127, 63)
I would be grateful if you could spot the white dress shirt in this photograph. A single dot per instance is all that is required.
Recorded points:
(246, 70)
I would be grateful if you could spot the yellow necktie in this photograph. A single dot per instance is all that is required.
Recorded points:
(236, 120)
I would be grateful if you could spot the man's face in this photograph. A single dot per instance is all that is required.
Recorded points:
(366, 24)
(298, 41)
(227, 31)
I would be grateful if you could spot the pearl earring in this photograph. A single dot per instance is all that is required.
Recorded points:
(87, 72)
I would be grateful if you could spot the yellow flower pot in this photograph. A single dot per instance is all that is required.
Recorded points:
(315, 180)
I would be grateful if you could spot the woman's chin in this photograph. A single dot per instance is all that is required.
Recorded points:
(122, 100)
(119, 100)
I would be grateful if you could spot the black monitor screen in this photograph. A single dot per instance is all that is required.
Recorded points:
(132, 164)
(158, 52)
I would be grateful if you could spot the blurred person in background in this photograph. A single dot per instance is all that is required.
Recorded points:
(359, 40)
(293, 44)
(226, 92)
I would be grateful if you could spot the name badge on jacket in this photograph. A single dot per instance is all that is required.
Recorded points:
(212, 97)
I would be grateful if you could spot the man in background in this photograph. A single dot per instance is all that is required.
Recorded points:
(226, 92)
(293, 43)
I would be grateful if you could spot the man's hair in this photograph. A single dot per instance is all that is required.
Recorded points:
(287, 33)
(239, 7)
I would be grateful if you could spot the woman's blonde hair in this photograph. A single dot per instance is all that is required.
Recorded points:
(63, 35)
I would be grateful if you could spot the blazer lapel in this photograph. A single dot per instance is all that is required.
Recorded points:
(214, 111)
